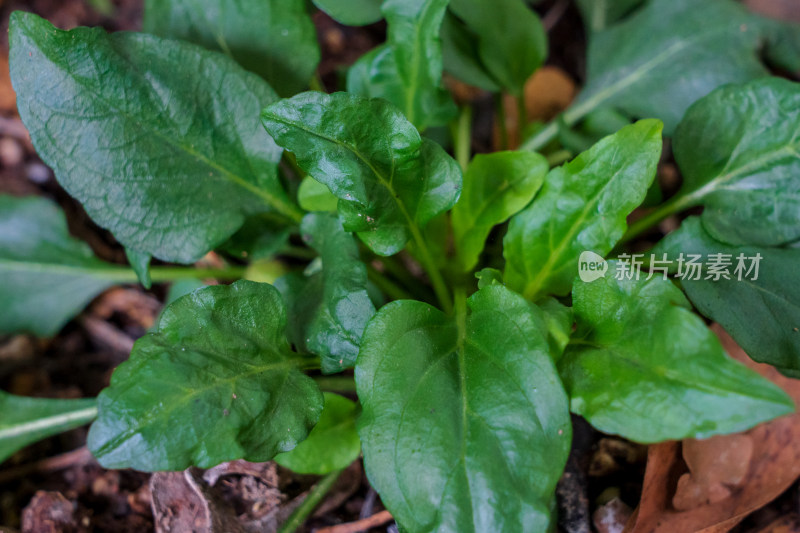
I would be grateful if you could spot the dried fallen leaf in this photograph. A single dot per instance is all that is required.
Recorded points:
(773, 467)
(785, 524)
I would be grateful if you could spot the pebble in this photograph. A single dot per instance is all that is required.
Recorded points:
(38, 172)
(11, 152)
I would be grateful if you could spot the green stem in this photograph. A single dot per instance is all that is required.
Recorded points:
(316, 83)
(569, 118)
(559, 157)
(672, 206)
(462, 137)
(391, 289)
(435, 275)
(522, 113)
(314, 498)
(336, 383)
(175, 273)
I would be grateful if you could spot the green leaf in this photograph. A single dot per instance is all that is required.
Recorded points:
(333, 443)
(329, 309)
(314, 196)
(140, 263)
(762, 314)
(216, 382)
(352, 12)
(276, 39)
(26, 420)
(407, 71)
(558, 320)
(670, 53)
(747, 173)
(48, 276)
(157, 139)
(460, 55)
(257, 239)
(389, 181)
(510, 39)
(582, 206)
(496, 187)
(460, 413)
(643, 366)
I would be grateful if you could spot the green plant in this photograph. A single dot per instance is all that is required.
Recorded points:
(465, 374)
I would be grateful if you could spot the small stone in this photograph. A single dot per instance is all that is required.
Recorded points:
(38, 173)
(11, 152)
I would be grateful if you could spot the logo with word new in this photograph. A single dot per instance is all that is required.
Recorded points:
(591, 266)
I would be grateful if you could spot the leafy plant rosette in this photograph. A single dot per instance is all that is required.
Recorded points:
(465, 355)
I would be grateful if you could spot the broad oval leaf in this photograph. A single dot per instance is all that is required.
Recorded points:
(276, 39)
(757, 304)
(314, 196)
(643, 366)
(407, 71)
(462, 413)
(582, 206)
(510, 40)
(159, 140)
(333, 443)
(24, 421)
(352, 12)
(215, 382)
(390, 182)
(747, 172)
(496, 187)
(329, 309)
(47, 276)
(670, 53)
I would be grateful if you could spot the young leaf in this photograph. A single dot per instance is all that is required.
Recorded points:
(48, 276)
(460, 413)
(333, 443)
(510, 39)
(748, 175)
(669, 54)
(389, 181)
(276, 39)
(352, 12)
(314, 196)
(496, 187)
(140, 263)
(598, 14)
(407, 71)
(26, 420)
(643, 366)
(156, 138)
(583, 205)
(460, 55)
(215, 382)
(759, 309)
(329, 309)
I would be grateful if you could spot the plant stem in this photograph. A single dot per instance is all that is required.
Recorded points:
(176, 273)
(336, 383)
(435, 275)
(559, 157)
(500, 113)
(314, 498)
(391, 289)
(462, 137)
(522, 113)
(672, 206)
(569, 117)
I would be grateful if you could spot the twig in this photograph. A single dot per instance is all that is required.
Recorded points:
(50, 464)
(378, 519)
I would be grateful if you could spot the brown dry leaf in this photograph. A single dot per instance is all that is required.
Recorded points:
(49, 512)
(786, 10)
(611, 517)
(547, 93)
(773, 467)
(785, 524)
(8, 98)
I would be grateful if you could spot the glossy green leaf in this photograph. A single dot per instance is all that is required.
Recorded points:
(24, 420)
(760, 309)
(389, 181)
(159, 140)
(407, 70)
(496, 187)
(670, 53)
(510, 39)
(739, 153)
(47, 276)
(643, 366)
(460, 55)
(215, 382)
(352, 12)
(257, 239)
(460, 413)
(333, 443)
(329, 309)
(314, 196)
(276, 39)
(582, 206)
